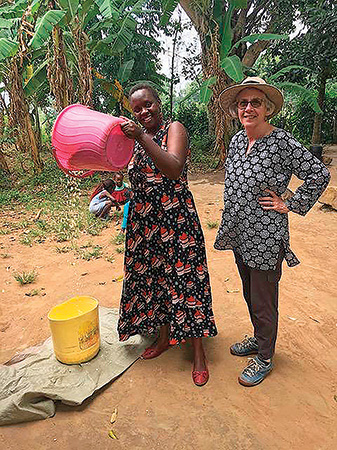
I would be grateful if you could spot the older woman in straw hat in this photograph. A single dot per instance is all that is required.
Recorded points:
(261, 160)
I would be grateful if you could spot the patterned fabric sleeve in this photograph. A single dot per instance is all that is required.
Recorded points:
(308, 168)
(231, 149)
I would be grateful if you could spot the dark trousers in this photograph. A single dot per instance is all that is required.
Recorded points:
(260, 290)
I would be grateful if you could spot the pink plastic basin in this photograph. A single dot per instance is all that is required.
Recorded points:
(84, 139)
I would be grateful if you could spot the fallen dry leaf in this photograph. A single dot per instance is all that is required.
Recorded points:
(112, 435)
(232, 291)
(120, 278)
(114, 416)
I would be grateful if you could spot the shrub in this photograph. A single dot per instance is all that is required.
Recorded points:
(25, 277)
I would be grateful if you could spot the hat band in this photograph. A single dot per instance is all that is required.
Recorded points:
(251, 82)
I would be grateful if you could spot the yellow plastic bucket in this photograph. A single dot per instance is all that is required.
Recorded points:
(75, 329)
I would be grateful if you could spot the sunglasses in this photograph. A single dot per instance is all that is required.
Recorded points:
(255, 103)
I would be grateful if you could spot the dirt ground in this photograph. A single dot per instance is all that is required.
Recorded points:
(159, 407)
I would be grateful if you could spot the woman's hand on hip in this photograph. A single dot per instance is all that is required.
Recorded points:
(131, 129)
(273, 202)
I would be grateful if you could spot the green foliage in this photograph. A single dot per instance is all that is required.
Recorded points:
(297, 118)
(193, 115)
(205, 91)
(25, 277)
(94, 253)
(168, 7)
(211, 224)
(233, 67)
(260, 37)
(119, 239)
(202, 152)
(7, 48)
(44, 28)
(62, 203)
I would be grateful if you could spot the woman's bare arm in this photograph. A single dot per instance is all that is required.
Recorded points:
(170, 162)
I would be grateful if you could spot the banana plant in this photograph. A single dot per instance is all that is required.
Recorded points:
(228, 61)
(294, 89)
(220, 26)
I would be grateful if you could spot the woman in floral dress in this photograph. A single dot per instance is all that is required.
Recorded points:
(166, 285)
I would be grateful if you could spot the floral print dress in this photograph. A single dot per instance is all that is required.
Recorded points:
(166, 278)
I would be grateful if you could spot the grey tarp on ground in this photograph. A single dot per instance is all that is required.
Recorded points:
(30, 387)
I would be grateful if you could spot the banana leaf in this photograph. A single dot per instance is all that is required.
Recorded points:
(286, 70)
(136, 7)
(15, 10)
(125, 70)
(108, 9)
(71, 8)
(205, 92)
(38, 78)
(8, 48)
(218, 12)
(232, 65)
(226, 32)
(8, 23)
(35, 5)
(44, 28)
(168, 7)
(90, 14)
(308, 96)
(240, 4)
(121, 39)
(260, 37)
(115, 89)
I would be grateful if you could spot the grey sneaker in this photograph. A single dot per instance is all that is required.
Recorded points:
(246, 347)
(255, 372)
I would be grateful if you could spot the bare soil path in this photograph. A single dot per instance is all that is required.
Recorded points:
(159, 407)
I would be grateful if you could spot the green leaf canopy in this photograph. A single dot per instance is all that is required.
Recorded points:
(7, 48)
(232, 65)
(44, 28)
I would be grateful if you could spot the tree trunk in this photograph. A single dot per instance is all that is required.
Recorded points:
(85, 83)
(58, 73)
(175, 39)
(37, 125)
(334, 131)
(20, 118)
(316, 132)
(34, 149)
(219, 123)
(3, 162)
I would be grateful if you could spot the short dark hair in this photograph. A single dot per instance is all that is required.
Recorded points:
(109, 184)
(139, 86)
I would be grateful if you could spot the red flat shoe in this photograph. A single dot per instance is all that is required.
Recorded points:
(150, 353)
(200, 378)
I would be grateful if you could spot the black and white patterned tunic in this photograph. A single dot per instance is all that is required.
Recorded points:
(258, 234)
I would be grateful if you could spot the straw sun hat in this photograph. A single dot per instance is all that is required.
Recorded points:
(228, 96)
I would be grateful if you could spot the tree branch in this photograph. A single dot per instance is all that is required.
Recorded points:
(254, 50)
